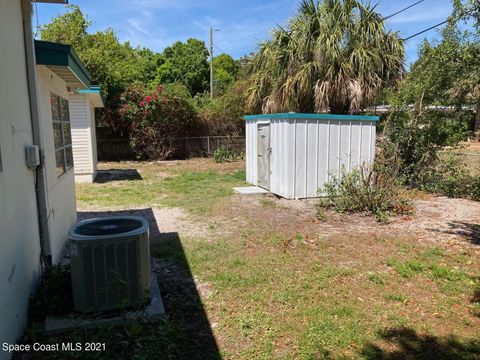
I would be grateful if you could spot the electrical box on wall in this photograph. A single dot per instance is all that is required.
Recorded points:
(32, 153)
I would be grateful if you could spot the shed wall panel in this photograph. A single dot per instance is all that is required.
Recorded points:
(372, 138)
(282, 149)
(365, 143)
(251, 151)
(355, 144)
(323, 167)
(311, 160)
(301, 154)
(334, 149)
(345, 138)
(290, 162)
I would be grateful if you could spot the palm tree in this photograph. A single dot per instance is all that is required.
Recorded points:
(335, 55)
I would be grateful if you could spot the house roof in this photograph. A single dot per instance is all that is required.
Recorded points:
(311, 116)
(95, 95)
(63, 61)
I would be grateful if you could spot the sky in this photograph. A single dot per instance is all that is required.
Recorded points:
(242, 24)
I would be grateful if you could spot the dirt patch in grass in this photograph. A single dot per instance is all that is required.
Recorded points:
(162, 221)
(437, 220)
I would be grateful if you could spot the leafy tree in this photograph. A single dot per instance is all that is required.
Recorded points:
(185, 63)
(69, 28)
(447, 73)
(225, 72)
(334, 55)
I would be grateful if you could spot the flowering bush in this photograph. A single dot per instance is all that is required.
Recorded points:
(156, 122)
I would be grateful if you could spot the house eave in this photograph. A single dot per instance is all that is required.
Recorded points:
(52, 1)
(63, 61)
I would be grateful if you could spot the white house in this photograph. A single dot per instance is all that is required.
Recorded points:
(59, 72)
(82, 117)
(37, 193)
(293, 155)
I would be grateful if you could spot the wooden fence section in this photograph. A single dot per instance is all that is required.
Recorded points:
(120, 149)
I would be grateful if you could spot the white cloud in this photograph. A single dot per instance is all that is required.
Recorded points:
(135, 27)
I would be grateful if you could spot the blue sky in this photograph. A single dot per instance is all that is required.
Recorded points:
(243, 23)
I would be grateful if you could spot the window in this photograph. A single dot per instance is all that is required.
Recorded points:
(61, 134)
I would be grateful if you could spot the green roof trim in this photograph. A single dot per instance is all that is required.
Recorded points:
(96, 91)
(311, 116)
(53, 54)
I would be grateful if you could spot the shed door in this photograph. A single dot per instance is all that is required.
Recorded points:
(263, 155)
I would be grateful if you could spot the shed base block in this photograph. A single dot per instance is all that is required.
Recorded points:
(250, 190)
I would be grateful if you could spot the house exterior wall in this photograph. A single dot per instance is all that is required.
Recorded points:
(83, 138)
(93, 137)
(19, 233)
(306, 153)
(61, 190)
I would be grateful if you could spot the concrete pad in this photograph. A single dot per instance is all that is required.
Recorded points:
(250, 190)
(154, 311)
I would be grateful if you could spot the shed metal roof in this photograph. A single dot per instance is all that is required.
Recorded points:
(63, 61)
(311, 116)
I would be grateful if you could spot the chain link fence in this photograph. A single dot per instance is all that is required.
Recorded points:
(200, 146)
(206, 145)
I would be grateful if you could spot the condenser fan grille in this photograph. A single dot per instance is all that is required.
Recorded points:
(108, 227)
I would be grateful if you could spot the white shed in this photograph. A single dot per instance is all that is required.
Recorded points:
(293, 155)
(84, 140)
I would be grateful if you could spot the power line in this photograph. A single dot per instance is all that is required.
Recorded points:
(423, 31)
(219, 49)
(252, 35)
(402, 10)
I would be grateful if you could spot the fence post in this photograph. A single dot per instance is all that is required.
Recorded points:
(208, 145)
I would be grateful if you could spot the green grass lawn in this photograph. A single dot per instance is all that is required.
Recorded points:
(268, 282)
(164, 184)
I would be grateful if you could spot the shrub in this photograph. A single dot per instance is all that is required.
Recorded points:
(53, 296)
(223, 115)
(368, 189)
(419, 135)
(224, 154)
(453, 178)
(156, 122)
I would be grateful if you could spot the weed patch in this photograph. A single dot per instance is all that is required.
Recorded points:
(366, 189)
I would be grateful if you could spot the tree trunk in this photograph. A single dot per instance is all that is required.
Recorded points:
(476, 127)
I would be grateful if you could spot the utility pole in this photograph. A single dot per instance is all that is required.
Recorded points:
(211, 61)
